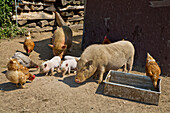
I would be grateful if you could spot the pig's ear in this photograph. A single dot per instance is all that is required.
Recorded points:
(66, 65)
(50, 45)
(45, 65)
(88, 63)
(64, 47)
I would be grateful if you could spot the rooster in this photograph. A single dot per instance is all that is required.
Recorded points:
(152, 69)
(106, 40)
(28, 44)
(16, 68)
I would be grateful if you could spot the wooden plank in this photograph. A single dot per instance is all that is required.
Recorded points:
(31, 25)
(165, 3)
(72, 2)
(38, 29)
(40, 8)
(49, 0)
(81, 13)
(59, 19)
(50, 8)
(34, 16)
(72, 8)
(52, 23)
(26, 8)
(35, 3)
(33, 8)
(43, 23)
(67, 14)
(22, 22)
(75, 18)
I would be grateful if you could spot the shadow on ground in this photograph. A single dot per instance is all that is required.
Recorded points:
(70, 81)
(10, 86)
(45, 51)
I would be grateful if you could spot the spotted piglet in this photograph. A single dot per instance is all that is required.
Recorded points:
(50, 65)
(68, 65)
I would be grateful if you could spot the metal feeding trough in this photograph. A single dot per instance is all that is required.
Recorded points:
(132, 86)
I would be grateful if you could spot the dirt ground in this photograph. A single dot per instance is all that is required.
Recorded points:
(55, 94)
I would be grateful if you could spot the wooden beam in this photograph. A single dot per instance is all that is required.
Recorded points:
(50, 8)
(49, 0)
(59, 19)
(67, 14)
(38, 29)
(34, 16)
(34, 3)
(71, 8)
(75, 18)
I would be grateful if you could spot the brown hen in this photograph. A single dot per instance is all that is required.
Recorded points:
(152, 69)
(106, 40)
(17, 73)
(28, 44)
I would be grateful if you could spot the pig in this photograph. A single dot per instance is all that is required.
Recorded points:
(99, 58)
(71, 57)
(68, 65)
(61, 41)
(50, 65)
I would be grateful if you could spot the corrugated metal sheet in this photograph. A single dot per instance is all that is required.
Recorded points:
(148, 28)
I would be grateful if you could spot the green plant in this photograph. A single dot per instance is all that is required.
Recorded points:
(8, 29)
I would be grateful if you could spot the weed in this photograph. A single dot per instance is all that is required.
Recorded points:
(8, 29)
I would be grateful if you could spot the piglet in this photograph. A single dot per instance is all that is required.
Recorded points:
(68, 65)
(71, 57)
(50, 65)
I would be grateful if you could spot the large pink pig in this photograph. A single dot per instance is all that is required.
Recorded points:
(98, 58)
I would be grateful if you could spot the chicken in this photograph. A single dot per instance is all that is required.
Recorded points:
(24, 60)
(28, 44)
(14, 65)
(152, 69)
(106, 40)
(17, 77)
